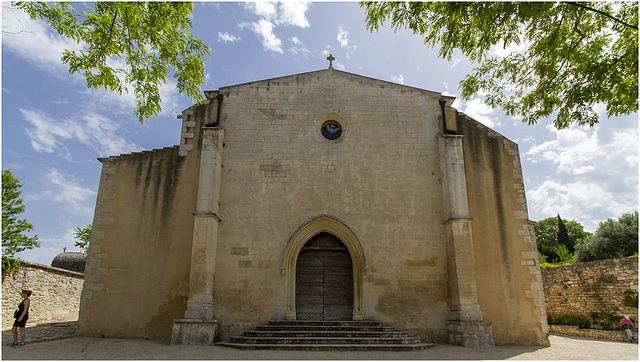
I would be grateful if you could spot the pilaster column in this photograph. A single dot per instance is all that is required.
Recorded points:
(199, 326)
(465, 314)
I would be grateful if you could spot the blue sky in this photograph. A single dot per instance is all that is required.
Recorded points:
(54, 128)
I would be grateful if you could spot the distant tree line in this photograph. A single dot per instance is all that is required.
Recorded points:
(563, 242)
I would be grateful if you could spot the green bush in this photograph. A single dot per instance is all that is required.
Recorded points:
(545, 265)
(570, 320)
(10, 266)
(630, 299)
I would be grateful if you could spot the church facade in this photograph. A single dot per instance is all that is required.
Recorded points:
(317, 196)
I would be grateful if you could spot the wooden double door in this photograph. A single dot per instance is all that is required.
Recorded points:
(324, 280)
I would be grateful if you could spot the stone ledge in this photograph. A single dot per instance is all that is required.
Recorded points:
(575, 331)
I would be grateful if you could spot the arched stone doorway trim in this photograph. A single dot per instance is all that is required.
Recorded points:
(312, 227)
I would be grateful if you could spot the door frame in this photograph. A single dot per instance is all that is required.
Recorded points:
(310, 228)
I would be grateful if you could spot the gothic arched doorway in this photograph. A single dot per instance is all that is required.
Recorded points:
(324, 280)
(315, 226)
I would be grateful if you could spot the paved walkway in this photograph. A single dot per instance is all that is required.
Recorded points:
(60, 345)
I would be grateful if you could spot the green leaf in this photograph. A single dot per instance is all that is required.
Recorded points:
(573, 57)
(13, 238)
(130, 46)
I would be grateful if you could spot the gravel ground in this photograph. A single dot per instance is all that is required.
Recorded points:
(64, 347)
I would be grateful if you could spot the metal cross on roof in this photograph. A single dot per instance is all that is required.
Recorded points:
(330, 58)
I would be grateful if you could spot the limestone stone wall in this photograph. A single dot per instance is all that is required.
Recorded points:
(381, 180)
(137, 272)
(378, 187)
(510, 289)
(594, 287)
(590, 333)
(56, 294)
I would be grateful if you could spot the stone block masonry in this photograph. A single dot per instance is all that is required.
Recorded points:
(211, 230)
(606, 286)
(55, 298)
(619, 336)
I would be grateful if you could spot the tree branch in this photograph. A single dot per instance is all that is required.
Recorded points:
(113, 21)
(602, 13)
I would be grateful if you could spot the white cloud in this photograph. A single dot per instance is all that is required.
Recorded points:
(34, 41)
(398, 79)
(293, 13)
(596, 173)
(303, 51)
(264, 30)
(482, 113)
(343, 37)
(67, 191)
(501, 51)
(50, 247)
(37, 43)
(48, 134)
(226, 38)
(45, 136)
(578, 150)
(272, 15)
(287, 13)
(262, 8)
(587, 202)
(299, 49)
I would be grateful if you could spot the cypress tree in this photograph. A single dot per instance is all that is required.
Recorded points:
(563, 235)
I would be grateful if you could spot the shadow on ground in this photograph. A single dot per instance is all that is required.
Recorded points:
(56, 341)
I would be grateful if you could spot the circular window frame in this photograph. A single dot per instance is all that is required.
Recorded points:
(331, 122)
(332, 118)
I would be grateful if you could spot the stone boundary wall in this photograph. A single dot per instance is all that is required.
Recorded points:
(593, 287)
(589, 333)
(55, 298)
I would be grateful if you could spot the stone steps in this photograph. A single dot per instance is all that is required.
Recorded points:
(327, 336)
(325, 333)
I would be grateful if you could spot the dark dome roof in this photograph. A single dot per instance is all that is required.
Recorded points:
(73, 261)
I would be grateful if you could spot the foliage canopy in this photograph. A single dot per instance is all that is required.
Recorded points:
(613, 239)
(82, 237)
(129, 45)
(13, 238)
(573, 56)
(553, 243)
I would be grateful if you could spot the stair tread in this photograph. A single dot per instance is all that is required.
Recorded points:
(399, 347)
(327, 328)
(326, 335)
(334, 340)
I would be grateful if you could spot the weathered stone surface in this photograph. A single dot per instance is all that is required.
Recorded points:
(472, 334)
(593, 287)
(589, 333)
(273, 181)
(195, 332)
(55, 298)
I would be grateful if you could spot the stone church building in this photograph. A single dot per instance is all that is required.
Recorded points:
(317, 196)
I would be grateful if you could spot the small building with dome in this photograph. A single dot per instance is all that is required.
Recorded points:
(70, 260)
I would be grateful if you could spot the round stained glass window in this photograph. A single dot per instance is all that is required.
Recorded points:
(331, 130)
